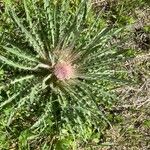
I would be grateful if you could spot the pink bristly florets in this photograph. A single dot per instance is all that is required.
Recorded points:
(64, 71)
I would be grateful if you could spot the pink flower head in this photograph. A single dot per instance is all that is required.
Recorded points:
(64, 70)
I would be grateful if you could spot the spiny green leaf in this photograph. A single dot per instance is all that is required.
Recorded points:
(50, 23)
(42, 118)
(9, 100)
(21, 54)
(21, 79)
(85, 88)
(96, 38)
(17, 80)
(34, 91)
(26, 32)
(27, 11)
(20, 103)
(13, 64)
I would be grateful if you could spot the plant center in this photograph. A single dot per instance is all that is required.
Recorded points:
(63, 70)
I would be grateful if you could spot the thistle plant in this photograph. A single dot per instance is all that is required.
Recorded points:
(58, 62)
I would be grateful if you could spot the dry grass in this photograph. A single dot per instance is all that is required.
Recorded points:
(133, 106)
